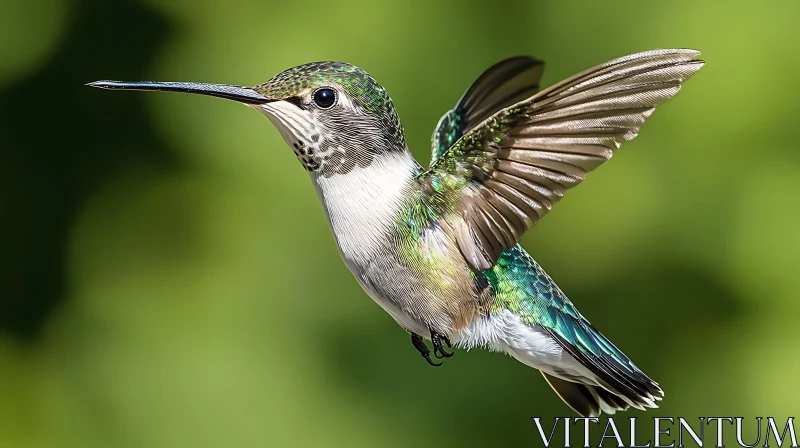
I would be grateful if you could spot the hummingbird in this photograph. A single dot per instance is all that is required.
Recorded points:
(438, 248)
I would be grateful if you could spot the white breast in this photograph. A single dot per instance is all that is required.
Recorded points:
(362, 205)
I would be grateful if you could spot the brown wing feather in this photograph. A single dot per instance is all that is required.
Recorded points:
(509, 81)
(520, 161)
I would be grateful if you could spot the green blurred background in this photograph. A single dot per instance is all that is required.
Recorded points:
(168, 278)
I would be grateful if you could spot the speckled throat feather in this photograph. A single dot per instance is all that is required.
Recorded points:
(371, 124)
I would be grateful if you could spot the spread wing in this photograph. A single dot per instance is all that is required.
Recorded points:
(501, 85)
(506, 173)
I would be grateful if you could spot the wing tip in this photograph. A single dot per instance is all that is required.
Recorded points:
(529, 60)
(682, 54)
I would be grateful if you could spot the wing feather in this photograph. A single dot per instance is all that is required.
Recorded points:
(506, 172)
(505, 83)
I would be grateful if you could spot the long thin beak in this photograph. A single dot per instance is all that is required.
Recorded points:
(236, 93)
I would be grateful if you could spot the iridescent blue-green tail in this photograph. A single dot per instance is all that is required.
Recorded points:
(538, 325)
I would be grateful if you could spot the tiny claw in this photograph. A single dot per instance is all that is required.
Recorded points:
(419, 344)
(438, 350)
(440, 353)
(447, 341)
(431, 362)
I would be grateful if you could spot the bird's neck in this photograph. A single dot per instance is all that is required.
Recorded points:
(363, 205)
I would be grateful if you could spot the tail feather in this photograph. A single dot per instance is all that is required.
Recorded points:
(614, 401)
(580, 397)
(586, 400)
(618, 377)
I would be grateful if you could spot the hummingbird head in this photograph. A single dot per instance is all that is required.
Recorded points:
(334, 116)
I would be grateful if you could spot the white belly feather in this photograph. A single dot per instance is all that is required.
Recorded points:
(362, 205)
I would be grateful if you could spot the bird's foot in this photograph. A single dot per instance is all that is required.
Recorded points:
(439, 351)
(419, 344)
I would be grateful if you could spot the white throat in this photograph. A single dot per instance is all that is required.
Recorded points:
(362, 205)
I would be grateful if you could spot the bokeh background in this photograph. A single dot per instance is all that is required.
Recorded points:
(168, 278)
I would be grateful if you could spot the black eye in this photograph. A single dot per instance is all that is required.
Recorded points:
(324, 97)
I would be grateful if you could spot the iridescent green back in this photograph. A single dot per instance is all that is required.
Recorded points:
(521, 286)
